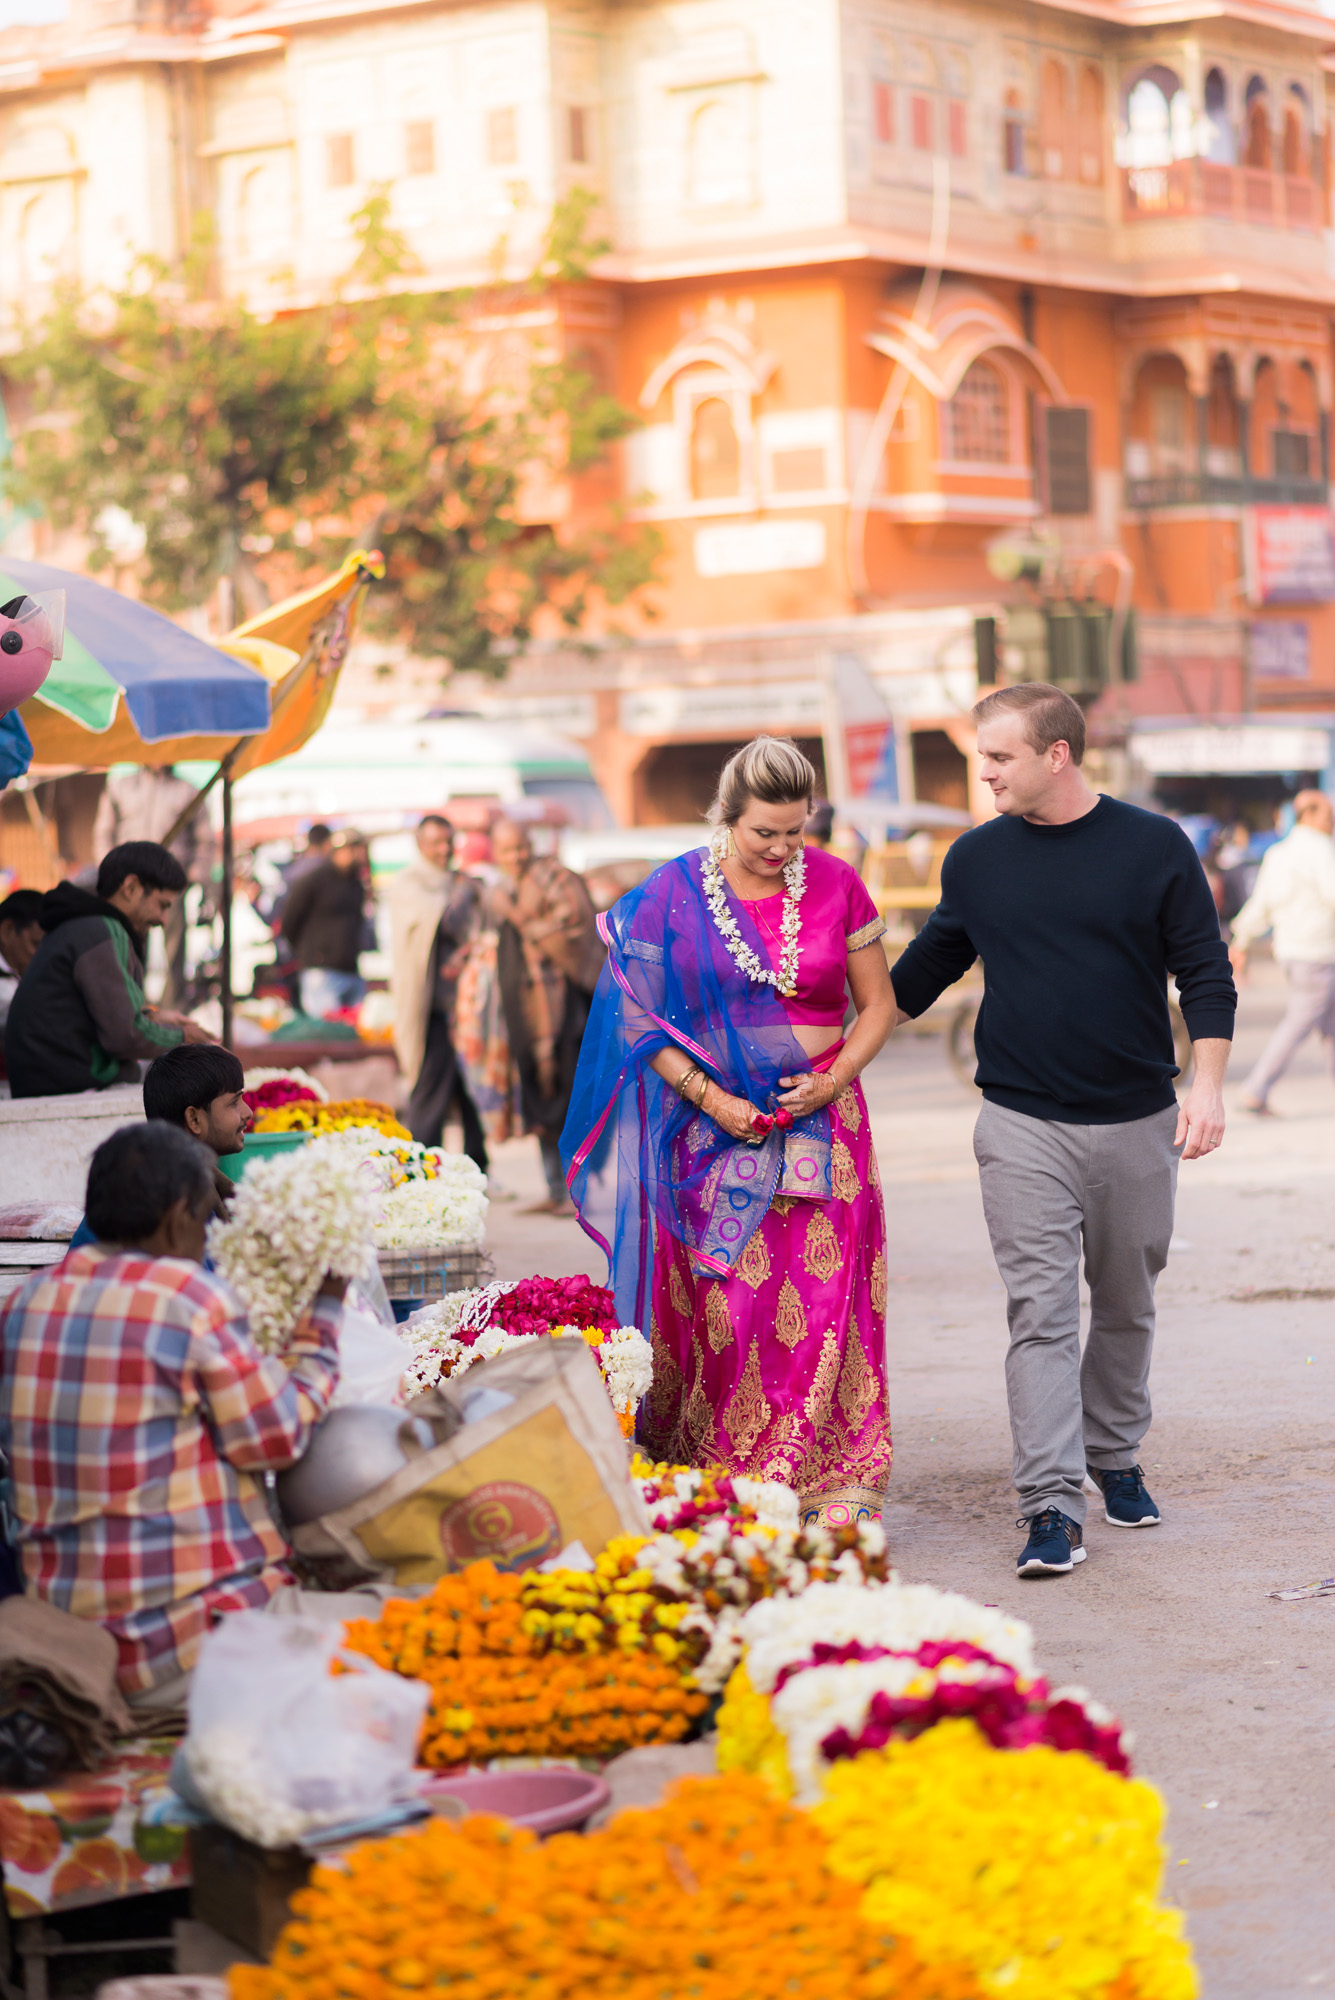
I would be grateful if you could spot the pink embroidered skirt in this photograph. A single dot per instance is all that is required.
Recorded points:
(778, 1371)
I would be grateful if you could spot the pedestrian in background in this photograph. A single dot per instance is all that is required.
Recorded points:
(144, 803)
(79, 1020)
(322, 922)
(1294, 898)
(1080, 907)
(319, 841)
(548, 957)
(20, 935)
(434, 913)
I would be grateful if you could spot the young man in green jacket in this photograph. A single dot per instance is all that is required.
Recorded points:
(79, 1020)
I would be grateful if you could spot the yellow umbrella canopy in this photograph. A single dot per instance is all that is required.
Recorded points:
(298, 645)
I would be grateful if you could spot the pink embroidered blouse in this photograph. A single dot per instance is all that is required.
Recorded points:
(838, 917)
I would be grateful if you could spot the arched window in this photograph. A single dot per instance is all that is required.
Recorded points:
(264, 214)
(716, 454)
(1090, 125)
(1052, 120)
(1160, 126)
(1297, 130)
(46, 233)
(1219, 141)
(1257, 152)
(977, 419)
(1161, 439)
(718, 162)
(1267, 418)
(1223, 431)
(1295, 441)
(1014, 134)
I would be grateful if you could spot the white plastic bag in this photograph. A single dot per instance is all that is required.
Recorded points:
(371, 1360)
(279, 1746)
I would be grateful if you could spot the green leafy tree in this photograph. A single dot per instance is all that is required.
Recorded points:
(255, 448)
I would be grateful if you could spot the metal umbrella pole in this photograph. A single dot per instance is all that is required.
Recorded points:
(225, 958)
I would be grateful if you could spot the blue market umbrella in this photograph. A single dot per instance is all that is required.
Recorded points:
(118, 651)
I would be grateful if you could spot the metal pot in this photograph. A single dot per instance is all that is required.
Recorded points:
(352, 1452)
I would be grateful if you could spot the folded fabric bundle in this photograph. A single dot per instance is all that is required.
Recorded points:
(59, 1705)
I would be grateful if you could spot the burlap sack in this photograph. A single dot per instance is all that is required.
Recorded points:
(514, 1488)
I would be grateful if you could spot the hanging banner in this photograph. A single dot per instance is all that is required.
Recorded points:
(859, 735)
(1289, 554)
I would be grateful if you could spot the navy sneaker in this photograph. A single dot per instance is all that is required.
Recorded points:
(1056, 1544)
(1126, 1504)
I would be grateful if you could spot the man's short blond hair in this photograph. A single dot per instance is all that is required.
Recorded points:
(1049, 715)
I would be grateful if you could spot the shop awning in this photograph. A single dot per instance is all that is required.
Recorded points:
(287, 658)
(125, 664)
(1231, 749)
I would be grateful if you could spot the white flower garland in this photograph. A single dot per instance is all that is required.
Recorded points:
(293, 1218)
(790, 929)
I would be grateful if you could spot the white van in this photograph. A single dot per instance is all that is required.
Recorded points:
(383, 775)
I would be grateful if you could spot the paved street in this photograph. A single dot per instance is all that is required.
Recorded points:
(1231, 1696)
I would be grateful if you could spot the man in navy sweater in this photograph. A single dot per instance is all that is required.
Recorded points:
(1080, 908)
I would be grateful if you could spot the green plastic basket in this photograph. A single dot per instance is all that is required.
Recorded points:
(260, 1146)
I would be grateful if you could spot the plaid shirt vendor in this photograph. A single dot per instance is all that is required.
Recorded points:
(138, 1418)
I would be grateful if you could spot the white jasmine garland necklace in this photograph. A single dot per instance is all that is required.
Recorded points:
(790, 929)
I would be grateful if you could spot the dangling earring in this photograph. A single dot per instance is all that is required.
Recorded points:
(721, 844)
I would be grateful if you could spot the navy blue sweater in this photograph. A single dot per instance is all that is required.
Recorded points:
(1078, 927)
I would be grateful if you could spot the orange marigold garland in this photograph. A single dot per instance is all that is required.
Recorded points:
(721, 1893)
(567, 1665)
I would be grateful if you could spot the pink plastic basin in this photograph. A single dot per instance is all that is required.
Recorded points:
(547, 1801)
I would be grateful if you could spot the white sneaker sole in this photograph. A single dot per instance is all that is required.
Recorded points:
(1051, 1569)
(1092, 1486)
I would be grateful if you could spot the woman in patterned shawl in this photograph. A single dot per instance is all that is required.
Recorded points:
(718, 1146)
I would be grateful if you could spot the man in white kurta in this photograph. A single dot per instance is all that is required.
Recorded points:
(1294, 898)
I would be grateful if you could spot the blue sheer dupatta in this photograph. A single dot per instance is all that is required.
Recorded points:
(638, 1160)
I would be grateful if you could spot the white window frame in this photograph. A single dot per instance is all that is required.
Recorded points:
(1011, 468)
(705, 385)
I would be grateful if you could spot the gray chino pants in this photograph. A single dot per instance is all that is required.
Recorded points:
(1311, 1005)
(1048, 1188)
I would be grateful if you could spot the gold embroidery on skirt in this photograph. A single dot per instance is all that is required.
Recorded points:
(847, 1186)
(820, 1252)
(697, 1419)
(848, 1110)
(718, 1320)
(859, 1389)
(784, 1451)
(873, 1167)
(753, 1264)
(665, 1391)
(679, 1291)
(879, 1288)
(791, 1321)
(820, 1396)
(782, 1204)
(748, 1412)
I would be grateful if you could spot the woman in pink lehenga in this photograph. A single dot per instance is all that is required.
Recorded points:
(718, 1147)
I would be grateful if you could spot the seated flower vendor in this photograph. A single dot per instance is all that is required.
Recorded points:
(138, 1418)
(200, 1088)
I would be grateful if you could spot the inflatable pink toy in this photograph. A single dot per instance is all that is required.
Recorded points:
(32, 634)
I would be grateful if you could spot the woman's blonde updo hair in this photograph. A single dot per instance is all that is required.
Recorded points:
(771, 769)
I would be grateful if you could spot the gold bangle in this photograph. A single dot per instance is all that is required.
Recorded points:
(684, 1079)
(704, 1086)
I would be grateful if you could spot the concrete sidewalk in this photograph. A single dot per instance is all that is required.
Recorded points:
(1231, 1695)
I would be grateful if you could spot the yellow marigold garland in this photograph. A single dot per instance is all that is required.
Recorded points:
(562, 1665)
(1038, 1868)
(721, 1893)
(333, 1117)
